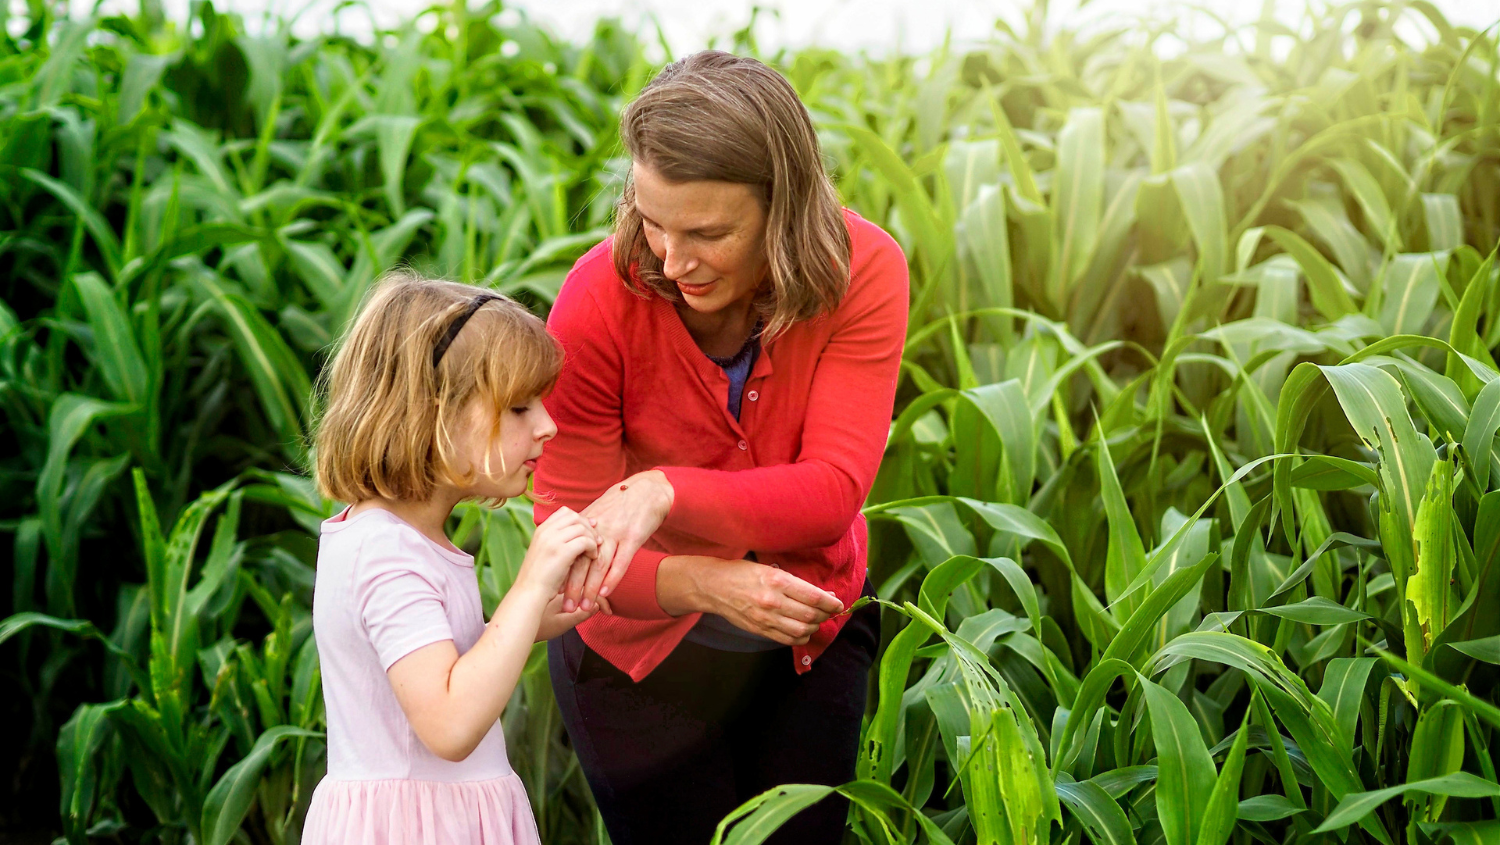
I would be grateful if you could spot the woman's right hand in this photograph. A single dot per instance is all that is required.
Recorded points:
(566, 541)
(762, 599)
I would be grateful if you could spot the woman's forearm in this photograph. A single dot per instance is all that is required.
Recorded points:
(680, 584)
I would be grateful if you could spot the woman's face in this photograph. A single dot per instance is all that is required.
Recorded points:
(710, 237)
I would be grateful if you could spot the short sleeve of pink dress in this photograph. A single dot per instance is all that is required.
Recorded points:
(384, 590)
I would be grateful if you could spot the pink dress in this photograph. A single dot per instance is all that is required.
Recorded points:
(384, 590)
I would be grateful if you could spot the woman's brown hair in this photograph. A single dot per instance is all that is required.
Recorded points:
(713, 116)
(388, 414)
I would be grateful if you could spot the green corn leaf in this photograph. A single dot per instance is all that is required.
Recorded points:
(936, 530)
(319, 269)
(378, 251)
(1268, 808)
(1090, 698)
(879, 746)
(227, 803)
(987, 240)
(758, 818)
(1481, 708)
(1429, 590)
(1316, 611)
(1325, 287)
(971, 166)
(1223, 802)
(94, 222)
(1358, 805)
(1343, 689)
(115, 348)
(1136, 632)
(1413, 282)
(934, 236)
(393, 137)
(1202, 199)
(1171, 280)
(1026, 792)
(15, 624)
(1326, 218)
(1437, 750)
(989, 419)
(142, 72)
(1438, 398)
(1096, 811)
(1309, 719)
(1372, 200)
(1183, 766)
(878, 798)
(1463, 833)
(1445, 228)
(78, 743)
(1325, 472)
(1373, 403)
(1463, 335)
(1486, 649)
(1078, 194)
(1127, 554)
(279, 378)
(1479, 434)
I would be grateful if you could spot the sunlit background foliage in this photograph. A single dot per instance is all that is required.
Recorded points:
(1190, 518)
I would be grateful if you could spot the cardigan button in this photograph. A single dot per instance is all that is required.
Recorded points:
(744, 445)
(752, 396)
(806, 660)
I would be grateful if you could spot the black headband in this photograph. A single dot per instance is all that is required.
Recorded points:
(458, 323)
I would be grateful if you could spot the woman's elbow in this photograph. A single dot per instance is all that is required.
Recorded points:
(831, 529)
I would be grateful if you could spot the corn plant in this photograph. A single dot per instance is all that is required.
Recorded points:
(159, 736)
(1181, 590)
(189, 213)
(1187, 525)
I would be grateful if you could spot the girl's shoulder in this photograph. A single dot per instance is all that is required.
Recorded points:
(374, 535)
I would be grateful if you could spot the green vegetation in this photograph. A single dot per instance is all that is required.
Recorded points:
(1190, 519)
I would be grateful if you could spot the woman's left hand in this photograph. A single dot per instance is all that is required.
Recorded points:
(625, 516)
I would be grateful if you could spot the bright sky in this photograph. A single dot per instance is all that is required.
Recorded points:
(851, 25)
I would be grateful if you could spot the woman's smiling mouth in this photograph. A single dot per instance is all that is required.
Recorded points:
(696, 290)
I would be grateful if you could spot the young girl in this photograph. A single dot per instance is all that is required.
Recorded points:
(433, 397)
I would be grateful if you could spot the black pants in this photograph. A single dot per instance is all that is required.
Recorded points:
(669, 757)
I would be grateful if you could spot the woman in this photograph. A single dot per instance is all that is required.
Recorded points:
(731, 358)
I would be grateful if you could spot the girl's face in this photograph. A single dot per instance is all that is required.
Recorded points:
(710, 237)
(502, 465)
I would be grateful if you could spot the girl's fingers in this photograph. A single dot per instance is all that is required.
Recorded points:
(603, 566)
(574, 589)
(588, 590)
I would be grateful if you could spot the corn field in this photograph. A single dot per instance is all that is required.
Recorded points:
(1188, 530)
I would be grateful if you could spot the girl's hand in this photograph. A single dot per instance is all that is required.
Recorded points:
(555, 622)
(566, 541)
(626, 516)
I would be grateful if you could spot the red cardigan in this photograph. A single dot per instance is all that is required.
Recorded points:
(787, 480)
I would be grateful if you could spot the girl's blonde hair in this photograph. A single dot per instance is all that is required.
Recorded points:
(388, 414)
(718, 117)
